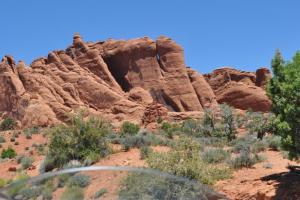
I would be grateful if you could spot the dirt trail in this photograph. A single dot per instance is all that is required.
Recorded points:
(261, 183)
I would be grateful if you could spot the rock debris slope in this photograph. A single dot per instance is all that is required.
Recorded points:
(121, 80)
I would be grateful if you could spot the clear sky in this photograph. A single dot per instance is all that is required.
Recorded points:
(239, 33)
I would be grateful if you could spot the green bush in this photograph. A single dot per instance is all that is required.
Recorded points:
(259, 146)
(228, 122)
(245, 159)
(62, 180)
(91, 158)
(8, 153)
(79, 180)
(3, 182)
(7, 124)
(100, 193)
(259, 124)
(169, 129)
(26, 162)
(209, 122)
(18, 185)
(215, 155)
(30, 192)
(129, 128)
(212, 141)
(145, 186)
(184, 160)
(74, 193)
(78, 141)
(274, 142)
(145, 151)
(142, 139)
(242, 143)
(191, 127)
(32, 130)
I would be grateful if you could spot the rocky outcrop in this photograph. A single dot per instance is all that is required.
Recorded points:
(121, 80)
(243, 90)
(263, 75)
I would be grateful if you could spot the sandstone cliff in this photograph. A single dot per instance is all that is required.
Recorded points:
(121, 80)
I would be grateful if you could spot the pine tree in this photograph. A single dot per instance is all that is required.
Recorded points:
(284, 91)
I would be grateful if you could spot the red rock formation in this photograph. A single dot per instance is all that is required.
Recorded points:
(118, 79)
(262, 77)
(239, 89)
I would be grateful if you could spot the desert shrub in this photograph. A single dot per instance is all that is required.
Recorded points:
(74, 193)
(267, 165)
(16, 143)
(79, 180)
(191, 127)
(212, 141)
(30, 192)
(26, 162)
(32, 130)
(3, 182)
(100, 193)
(228, 122)
(40, 149)
(184, 160)
(129, 128)
(274, 142)
(240, 120)
(8, 153)
(245, 159)
(18, 184)
(242, 143)
(63, 180)
(7, 124)
(215, 155)
(145, 151)
(209, 123)
(28, 135)
(15, 135)
(259, 123)
(169, 129)
(91, 158)
(145, 186)
(78, 141)
(19, 158)
(142, 139)
(2, 139)
(259, 146)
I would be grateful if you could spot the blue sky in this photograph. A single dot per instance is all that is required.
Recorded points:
(239, 33)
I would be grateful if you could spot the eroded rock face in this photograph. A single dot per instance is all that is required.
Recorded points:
(120, 79)
(242, 90)
(263, 75)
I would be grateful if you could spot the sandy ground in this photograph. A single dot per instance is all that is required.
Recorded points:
(20, 150)
(256, 183)
(111, 180)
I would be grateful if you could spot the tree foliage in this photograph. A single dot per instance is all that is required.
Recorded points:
(284, 91)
